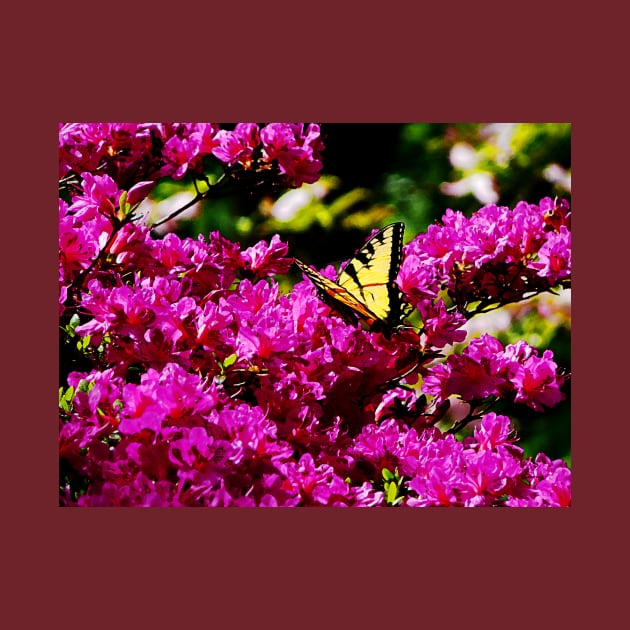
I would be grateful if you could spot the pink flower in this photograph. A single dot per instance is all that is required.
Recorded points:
(537, 382)
(555, 256)
(439, 326)
(237, 145)
(266, 260)
(297, 152)
(204, 137)
(179, 152)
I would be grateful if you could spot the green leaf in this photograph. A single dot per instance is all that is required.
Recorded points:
(124, 205)
(391, 492)
(65, 398)
(85, 385)
(388, 475)
(83, 342)
(75, 320)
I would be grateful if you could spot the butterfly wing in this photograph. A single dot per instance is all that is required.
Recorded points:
(371, 276)
(338, 298)
(366, 288)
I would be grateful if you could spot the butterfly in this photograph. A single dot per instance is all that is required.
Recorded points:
(365, 289)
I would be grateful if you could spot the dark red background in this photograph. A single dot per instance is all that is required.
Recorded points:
(329, 62)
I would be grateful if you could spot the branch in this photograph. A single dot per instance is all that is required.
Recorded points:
(213, 191)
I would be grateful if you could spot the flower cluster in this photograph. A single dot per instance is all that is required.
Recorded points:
(484, 469)
(131, 153)
(201, 384)
(495, 257)
(485, 368)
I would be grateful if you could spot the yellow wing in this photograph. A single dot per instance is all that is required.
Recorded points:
(366, 288)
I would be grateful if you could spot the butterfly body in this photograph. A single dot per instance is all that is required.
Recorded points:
(366, 287)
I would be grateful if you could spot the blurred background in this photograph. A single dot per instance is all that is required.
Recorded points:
(383, 172)
(374, 174)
